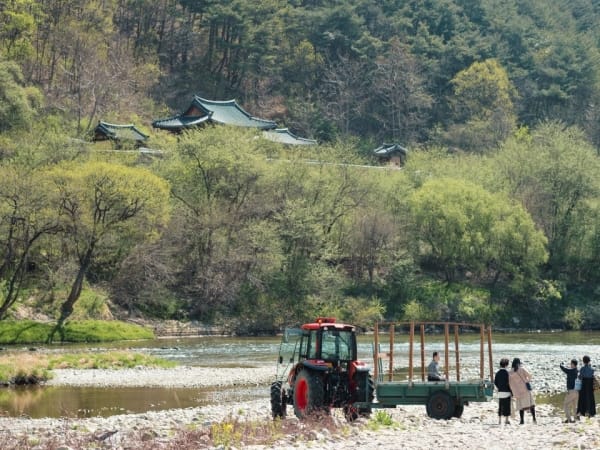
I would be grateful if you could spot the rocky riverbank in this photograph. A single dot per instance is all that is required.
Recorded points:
(183, 376)
(408, 427)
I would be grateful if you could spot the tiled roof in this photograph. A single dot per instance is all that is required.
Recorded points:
(226, 112)
(388, 149)
(179, 122)
(119, 132)
(285, 136)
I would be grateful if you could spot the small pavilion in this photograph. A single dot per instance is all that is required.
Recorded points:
(391, 154)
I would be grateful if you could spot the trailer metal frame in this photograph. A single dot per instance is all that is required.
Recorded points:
(443, 399)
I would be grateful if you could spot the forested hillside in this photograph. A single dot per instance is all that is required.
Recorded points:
(495, 215)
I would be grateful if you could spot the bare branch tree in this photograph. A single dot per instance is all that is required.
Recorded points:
(401, 91)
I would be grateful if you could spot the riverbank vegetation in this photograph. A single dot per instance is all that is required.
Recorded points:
(31, 332)
(494, 217)
(32, 367)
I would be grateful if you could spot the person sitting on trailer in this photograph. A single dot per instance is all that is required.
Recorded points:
(433, 370)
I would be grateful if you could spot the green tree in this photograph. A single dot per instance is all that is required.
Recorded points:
(28, 212)
(82, 64)
(106, 207)
(302, 240)
(17, 25)
(482, 104)
(16, 100)
(238, 45)
(564, 73)
(224, 198)
(551, 56)
(554, 172)
(462, 227)
(314, 222)
(584, 251)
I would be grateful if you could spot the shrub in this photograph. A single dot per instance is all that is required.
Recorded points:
(573, 318)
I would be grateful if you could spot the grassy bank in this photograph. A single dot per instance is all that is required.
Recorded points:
(31, 368)
(30, 332)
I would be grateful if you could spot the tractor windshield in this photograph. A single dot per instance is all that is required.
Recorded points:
(338, 345)
(288, 351)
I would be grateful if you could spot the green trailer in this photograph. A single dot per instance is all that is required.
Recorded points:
(400, 371)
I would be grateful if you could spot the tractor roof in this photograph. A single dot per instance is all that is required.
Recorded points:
(327, 322)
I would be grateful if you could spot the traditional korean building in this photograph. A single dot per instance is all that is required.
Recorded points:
(285, 136)
(391, 154)
(119, 134)
(202, 111)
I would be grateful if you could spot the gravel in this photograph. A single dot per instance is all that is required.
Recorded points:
(184, 376)
(411, 428)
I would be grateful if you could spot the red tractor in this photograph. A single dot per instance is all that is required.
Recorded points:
(318, 370)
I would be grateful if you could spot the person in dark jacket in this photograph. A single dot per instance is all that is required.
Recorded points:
(570, 404)
(504, 393)
(586, 406)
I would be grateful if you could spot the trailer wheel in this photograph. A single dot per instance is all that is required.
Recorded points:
(278, 400)
(458, 411)
(308, 394)
(440, 405)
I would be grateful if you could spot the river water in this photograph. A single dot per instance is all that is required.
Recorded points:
(540, 351)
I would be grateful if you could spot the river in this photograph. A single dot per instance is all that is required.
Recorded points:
(540, 351)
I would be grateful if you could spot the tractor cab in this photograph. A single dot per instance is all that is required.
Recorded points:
(326, 342)
(318, 369)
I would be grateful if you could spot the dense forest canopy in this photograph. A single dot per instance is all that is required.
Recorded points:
(398, 70)
(495, 216)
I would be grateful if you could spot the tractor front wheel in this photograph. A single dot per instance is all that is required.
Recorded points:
(308, 394)
(278, 400)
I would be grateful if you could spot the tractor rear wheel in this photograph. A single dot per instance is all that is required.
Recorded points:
(308, 394)
(440, 405)
(278, 400)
